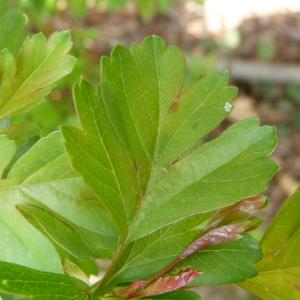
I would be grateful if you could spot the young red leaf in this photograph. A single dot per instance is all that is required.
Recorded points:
(242, 212)
(215, 237)
(161, 285)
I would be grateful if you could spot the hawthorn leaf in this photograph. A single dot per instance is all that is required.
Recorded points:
(32, 284)
(7, 151)
(170, 247)
(75, 240)
(12, 25)
(160, 285)
(43, 177)
(133, 90)
(160, 124)
(233, 262)
(30, 76)
(218, 263)
(99, 157)
(142, 150)
(243, 213)
(146, 257)
(157, 127)
(279, 271)
(21, 243)
(217, 174)
(168, 284)
(214, 237)
(195, 114)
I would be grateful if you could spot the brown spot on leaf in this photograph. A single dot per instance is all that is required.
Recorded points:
(175, 105)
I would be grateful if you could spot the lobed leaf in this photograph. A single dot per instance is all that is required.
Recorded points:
(98, 155)
(224, 264)
(142, 150)
(146, 257)
(27, 78)
(279, 271)
(207, 179)
(43, 179)
(75, 240)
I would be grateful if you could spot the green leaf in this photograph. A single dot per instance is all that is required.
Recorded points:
(229, 263)
(12, 25)
(224, 264)
(217, 174)
(149, 8)
(43, 177)
(96, 154)
(7, 151)
(142, 151)
(147, 256)
(279, 271)
(30, 76)
(182, 295)
(40, 285)
(159, 124)
(78, 7)
(76, 240)
(21, 132)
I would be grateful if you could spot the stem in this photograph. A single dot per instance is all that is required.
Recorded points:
(103, 283)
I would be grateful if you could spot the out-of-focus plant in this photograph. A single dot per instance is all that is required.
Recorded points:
(199, 66)
(266, 50)
(29, 68)
(41, 9)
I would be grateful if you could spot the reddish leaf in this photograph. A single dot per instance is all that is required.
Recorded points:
(133, 288)
(243, 210)
(161, 285)
(214, 237)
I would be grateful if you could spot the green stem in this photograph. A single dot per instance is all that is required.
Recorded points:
(101, 286)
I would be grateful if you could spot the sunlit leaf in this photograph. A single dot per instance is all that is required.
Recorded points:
(30, 75)
(143, 150)
(43, 177)
(279, 271)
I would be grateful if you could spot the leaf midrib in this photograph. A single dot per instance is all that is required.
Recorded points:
(206, 175)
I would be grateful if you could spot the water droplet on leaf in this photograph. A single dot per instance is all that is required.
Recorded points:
(228, 107)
